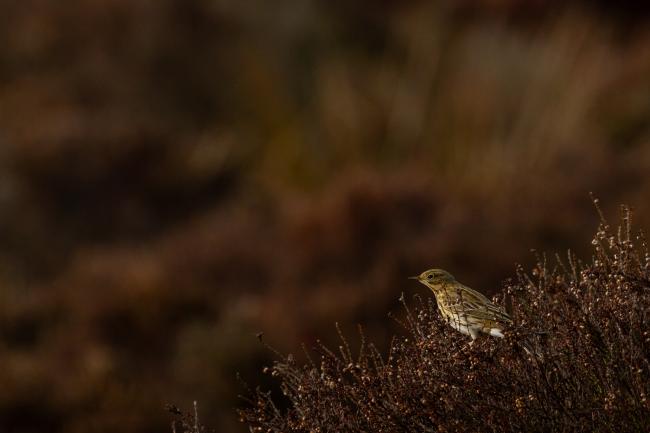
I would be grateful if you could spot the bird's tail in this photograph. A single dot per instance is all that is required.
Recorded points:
(532, 344)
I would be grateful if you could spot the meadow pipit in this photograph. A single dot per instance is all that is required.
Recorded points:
(466, 310)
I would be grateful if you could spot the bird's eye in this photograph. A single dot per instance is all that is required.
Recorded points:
(429, 276)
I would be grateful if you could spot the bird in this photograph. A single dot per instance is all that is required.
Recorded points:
(465, 309)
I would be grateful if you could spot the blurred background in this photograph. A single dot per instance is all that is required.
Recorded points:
(178, 175)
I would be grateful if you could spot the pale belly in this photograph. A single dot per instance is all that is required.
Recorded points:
(474, 330)
(465, 329)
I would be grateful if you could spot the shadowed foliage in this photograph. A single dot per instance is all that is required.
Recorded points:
(177, 175)
(589, 323)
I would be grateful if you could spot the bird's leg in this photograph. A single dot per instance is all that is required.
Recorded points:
(474, 335)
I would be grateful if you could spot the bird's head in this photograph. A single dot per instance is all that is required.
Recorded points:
(433, 278)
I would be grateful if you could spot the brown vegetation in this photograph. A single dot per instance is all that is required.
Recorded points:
(591, 373)
(178, 175)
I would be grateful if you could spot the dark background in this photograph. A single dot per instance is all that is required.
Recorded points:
(178, 175)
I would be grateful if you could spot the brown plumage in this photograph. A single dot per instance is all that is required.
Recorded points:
(465, 309)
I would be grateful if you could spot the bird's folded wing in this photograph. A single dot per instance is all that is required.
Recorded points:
(490, 314)
(478, 310)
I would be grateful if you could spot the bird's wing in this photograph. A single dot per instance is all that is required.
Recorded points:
(467, 301)
(496, 314)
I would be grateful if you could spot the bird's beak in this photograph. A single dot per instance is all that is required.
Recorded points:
(417, 277)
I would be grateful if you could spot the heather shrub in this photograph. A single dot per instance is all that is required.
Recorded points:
(177, 174)
(588, 322)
